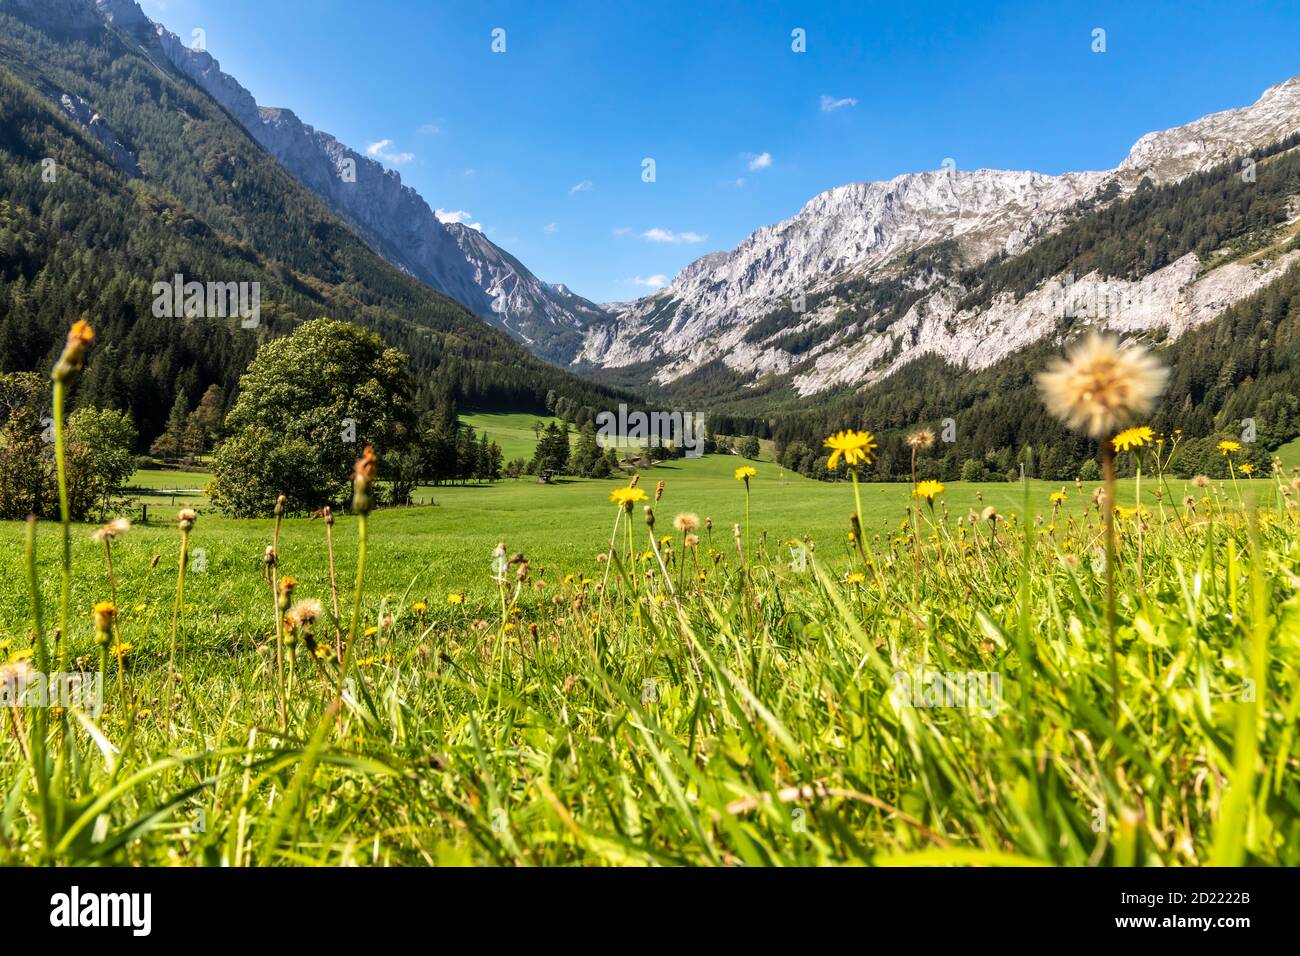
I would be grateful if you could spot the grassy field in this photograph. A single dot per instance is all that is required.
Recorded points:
(425, 552)
(730, 705)
(1289, 454)
(512, 431)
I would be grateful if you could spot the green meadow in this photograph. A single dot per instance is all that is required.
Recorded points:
(609, 691)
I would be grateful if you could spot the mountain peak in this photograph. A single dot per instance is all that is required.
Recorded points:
(866, 231)
(392, 218)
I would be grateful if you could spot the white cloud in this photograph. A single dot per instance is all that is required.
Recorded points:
(830, 104)
(622, 230)
(738, 183)
(582, 187)
(761, 161)
(429, 129)
(457, 215)
(471, 172)
(380, 150)
(656, 281)
(551, 227)
(667, 235)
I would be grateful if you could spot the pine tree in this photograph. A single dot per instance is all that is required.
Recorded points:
(171, 443)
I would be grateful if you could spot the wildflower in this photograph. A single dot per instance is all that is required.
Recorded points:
(287, 584)
(920, 439)
(627, 497)
(691, 540)
(185, 519)
(1246, 468)
(74, 351)
(745, 473)
(1101, 385)
(1189, 503)
(928, 490)
(115, 528)
(990, 514)
(121, 649)
(686, 522)
(303, 615)
(455, 598)
(853, 446)
(1131, 438)
(1200, 481)
(104, 612)
(363, 473)
(371, 631)
(14, 678)
(1228, 448)
(1058, 497)
(419, 607)
(856, 577)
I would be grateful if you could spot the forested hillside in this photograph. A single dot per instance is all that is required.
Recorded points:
(1244, 364)
(84, 234)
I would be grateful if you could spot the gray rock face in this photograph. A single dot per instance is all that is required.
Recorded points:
(548, 318)
(867, 230)
(391, 217)
(80, 112)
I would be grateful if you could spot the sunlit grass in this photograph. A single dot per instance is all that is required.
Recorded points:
(708, 713)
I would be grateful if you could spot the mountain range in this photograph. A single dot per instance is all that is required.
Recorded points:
(799, 282)
(118, 171)
(392, 218)
(948, 282)
(736, 307)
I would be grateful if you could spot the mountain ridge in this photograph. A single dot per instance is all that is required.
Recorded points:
(390, 216)
(866, 231)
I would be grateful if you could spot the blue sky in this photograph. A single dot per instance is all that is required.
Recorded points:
(543, 144)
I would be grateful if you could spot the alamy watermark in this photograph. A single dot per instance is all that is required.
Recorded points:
(972, 690)
(24, 686)
(624, 429)
(177, 299)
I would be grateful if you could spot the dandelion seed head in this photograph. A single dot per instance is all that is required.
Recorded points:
(1101, 386)
(114, 529)
(920, 439)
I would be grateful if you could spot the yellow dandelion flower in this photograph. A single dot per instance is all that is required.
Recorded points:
(419, 607)
(455, 598)
(371, 631)
(626, 497)
(1228, 448)
(1246, 468)
(857, 577)
(853, 446)
(928, 490)
(1131, 438)
(745, 473)
(1058, 497)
